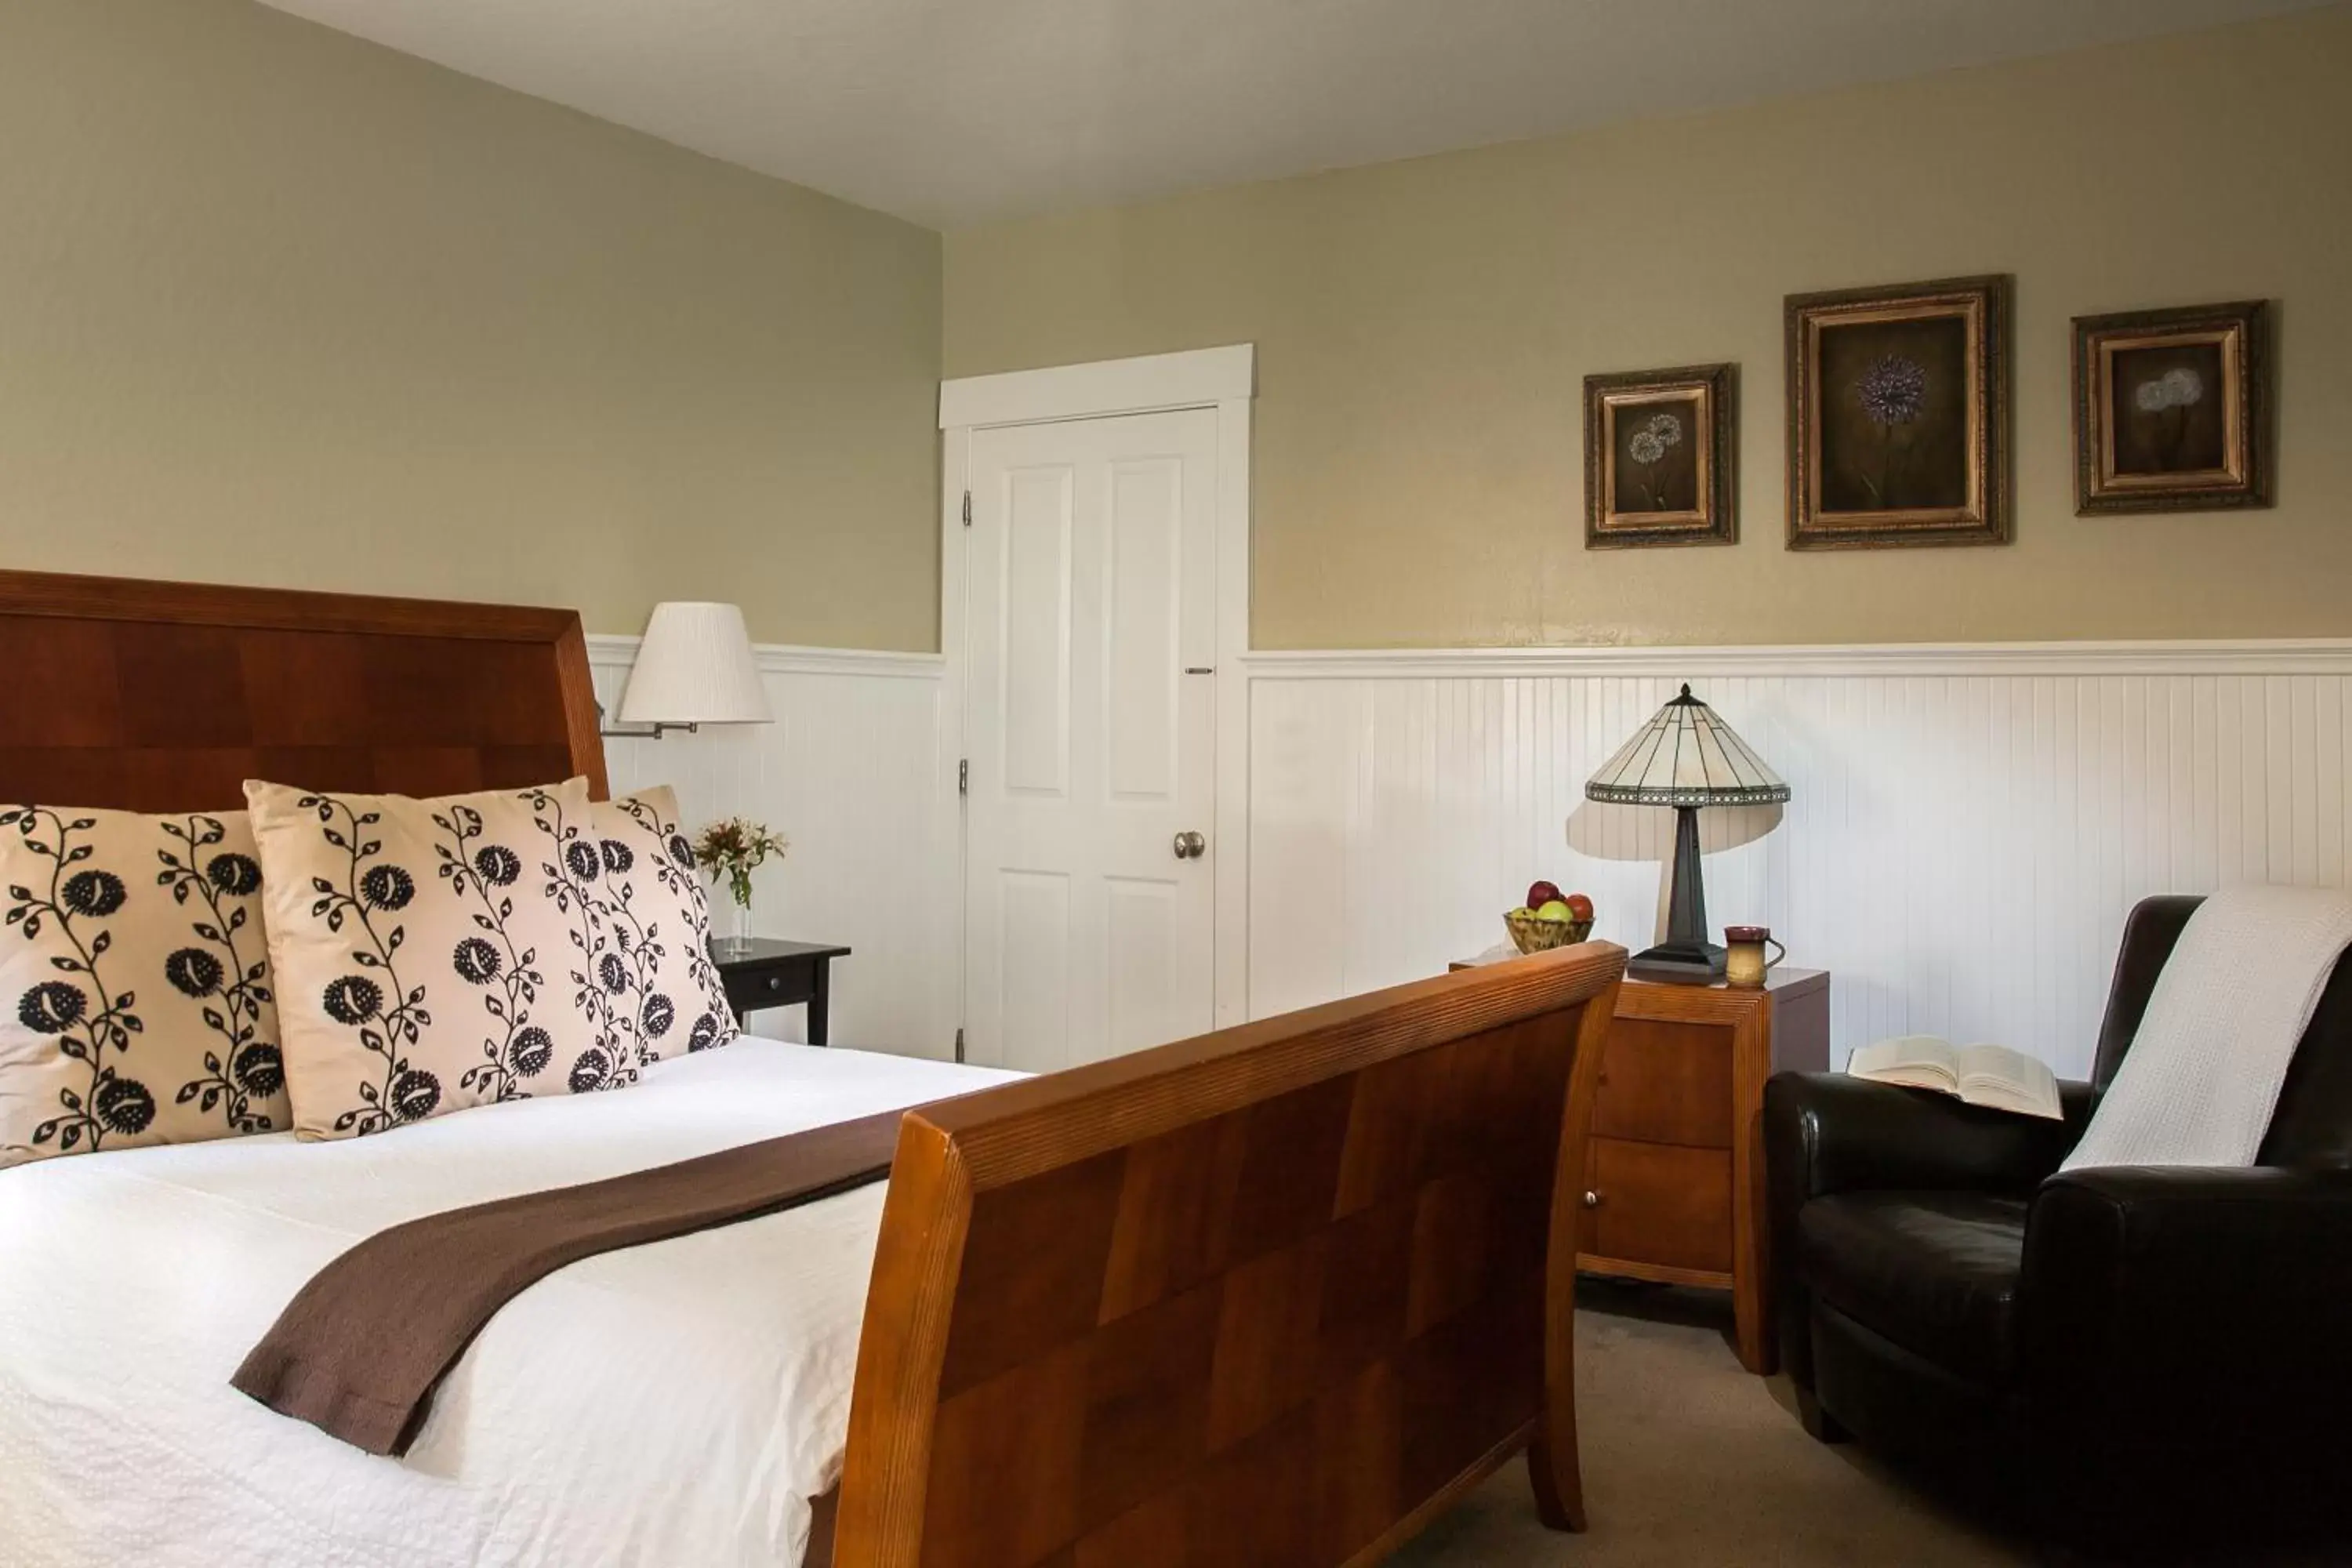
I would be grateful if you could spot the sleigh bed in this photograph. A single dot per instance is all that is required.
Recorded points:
(1275, 1295)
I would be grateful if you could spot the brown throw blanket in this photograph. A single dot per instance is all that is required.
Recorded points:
(359, 1351)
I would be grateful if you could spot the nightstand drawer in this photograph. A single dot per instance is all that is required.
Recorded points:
(768, 988)
(1666, 1083)
(767, 974)
(1657, 1204)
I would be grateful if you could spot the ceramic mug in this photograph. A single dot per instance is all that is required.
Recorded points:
(1744, 964)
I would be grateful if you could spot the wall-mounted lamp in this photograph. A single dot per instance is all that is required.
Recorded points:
(694, 667)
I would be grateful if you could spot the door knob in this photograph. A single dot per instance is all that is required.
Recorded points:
(1191, 847)
(1591, 1199)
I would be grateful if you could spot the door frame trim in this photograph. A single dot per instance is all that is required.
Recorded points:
(1223, 379)
(1152, 384)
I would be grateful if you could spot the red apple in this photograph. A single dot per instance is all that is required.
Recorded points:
(1580, 906)
(1542, 893)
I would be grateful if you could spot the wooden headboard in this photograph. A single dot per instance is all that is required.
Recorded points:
(168, 696)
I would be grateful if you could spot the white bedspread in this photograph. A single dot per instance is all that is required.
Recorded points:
(674, 1404)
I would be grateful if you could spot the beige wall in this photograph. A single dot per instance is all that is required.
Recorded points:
(1424, 330)
(278, 306)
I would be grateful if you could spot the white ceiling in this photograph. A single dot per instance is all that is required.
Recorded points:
(952, 111)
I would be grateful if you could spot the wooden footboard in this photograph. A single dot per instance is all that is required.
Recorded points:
(1276, 1295)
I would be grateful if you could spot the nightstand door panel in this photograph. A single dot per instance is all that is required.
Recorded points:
(1666, 1083)
(1659, 1203)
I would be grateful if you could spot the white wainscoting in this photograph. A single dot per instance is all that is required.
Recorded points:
(1969, 825)
(1967, 828)
(854, 772)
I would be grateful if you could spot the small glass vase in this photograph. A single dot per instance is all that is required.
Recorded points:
(733, 938)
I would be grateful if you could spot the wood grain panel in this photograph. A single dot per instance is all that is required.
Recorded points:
(307, 689)
(1271, 1316)
(162, 696)
(62, 690)
(182, 687)
(1661, 1202)
(1666, 1083)
(1147, 1413)
(1176, 1214)
(1033, 1268)
(1264, 1297)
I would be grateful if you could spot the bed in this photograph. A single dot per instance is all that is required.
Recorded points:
(125, 1418)
(1276, 1294)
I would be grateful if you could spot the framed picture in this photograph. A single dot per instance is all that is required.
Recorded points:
(1660, 464)
(1898, 415)
(2172, 410)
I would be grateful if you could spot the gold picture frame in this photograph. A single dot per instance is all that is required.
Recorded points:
(1899, 420)
(1661, 457)
(2172, 410)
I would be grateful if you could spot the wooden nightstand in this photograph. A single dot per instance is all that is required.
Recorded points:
(1673, 1182)
(778, 975)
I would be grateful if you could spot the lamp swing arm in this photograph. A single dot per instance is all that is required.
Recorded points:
(653, 731)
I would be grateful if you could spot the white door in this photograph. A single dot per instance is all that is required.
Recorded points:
(1090, 727)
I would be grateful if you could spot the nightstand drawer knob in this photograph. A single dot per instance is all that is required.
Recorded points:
(1591, 1199)
(775, 983)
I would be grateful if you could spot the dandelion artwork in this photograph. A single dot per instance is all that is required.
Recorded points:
(2179, 389)
(2171, 428)
(1658, 457)
(1899, 411)
(1649, 445)
(2170, 410)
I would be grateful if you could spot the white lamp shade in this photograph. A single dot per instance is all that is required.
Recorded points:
(1687, 756)
(695, 666)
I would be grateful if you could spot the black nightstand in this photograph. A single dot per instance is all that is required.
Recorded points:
(778, 975)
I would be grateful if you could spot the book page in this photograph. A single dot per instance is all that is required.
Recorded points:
(1915, 1062)
(2004, 1080)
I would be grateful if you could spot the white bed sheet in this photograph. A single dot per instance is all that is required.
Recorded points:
(675, 1404)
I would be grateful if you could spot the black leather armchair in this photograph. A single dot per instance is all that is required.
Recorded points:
(2120, 1338)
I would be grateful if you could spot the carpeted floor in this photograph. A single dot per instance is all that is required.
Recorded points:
(1690, 1462)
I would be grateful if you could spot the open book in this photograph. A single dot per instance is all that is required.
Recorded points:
(1992, 1076)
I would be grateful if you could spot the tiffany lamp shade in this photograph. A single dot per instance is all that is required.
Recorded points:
(1686, 757)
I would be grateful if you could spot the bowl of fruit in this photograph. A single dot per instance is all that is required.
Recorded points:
(1548, 919)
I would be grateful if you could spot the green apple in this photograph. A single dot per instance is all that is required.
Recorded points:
(1521, 913)
(1554, 911)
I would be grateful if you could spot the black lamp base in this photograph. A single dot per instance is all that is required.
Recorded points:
(1685, 955)
(1687, 964)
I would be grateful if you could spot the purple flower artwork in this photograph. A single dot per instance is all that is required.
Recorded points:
(1900, 427)
(1893, 390)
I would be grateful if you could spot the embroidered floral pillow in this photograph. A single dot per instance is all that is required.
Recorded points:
(433, 954)
(137, 983)
(667, 996)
